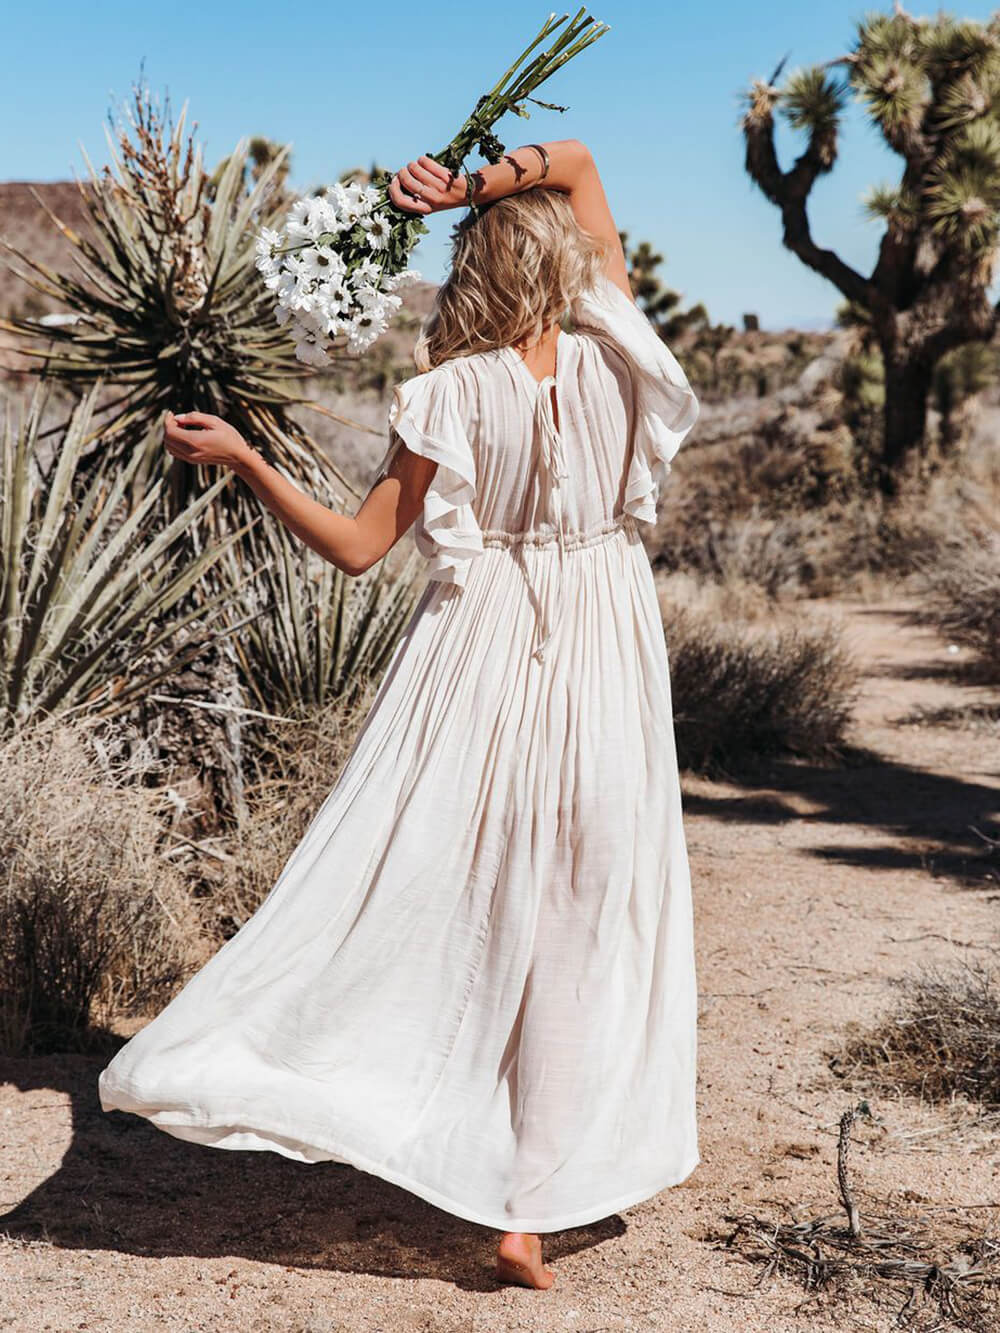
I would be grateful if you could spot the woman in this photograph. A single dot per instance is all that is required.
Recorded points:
(475, 975)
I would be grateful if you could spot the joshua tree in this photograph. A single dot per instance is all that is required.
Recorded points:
(659, 303)
(932, 88)
(958, 378)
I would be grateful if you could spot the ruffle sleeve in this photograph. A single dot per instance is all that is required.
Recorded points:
(665, 406)
(424, 414)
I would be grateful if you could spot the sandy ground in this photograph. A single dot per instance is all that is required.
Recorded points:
(811, 893)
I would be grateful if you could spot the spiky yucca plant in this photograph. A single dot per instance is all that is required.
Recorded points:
(932, 89)
(170, 313)
(90, 587)
(309, 632)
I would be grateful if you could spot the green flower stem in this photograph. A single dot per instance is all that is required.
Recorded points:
(581, 32)
(516, 84)
(512, 88)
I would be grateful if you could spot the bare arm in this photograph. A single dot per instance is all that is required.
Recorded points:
(352, 543)
(572, 170)
(355, 543)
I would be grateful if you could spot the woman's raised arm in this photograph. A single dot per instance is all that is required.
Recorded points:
(424, 186)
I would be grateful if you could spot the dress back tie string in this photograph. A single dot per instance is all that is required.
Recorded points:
(553, 458)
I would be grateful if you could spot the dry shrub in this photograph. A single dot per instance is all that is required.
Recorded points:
(815, 553)
(843, 547)
(962, 589)
(735, 598)
(93, 921)
(777, 556)
(300, 760)
(745, 693)
(941, 1042)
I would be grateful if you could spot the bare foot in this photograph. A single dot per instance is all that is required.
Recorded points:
(519, 1259)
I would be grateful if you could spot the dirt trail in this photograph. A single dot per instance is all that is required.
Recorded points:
(810, 893)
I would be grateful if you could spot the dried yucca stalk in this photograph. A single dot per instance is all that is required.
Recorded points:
(168, 309)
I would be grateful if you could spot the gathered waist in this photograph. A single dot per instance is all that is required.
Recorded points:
(600, 532)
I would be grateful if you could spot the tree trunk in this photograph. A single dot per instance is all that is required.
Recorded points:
(907, 388)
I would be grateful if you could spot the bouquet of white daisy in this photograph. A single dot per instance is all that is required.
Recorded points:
(338, 262)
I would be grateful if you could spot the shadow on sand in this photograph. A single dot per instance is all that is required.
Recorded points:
(945, 824)
(124, 1185)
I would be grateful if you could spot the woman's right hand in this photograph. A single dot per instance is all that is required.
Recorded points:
(425, 186)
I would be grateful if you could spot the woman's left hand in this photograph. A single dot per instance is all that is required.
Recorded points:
(425, 186)
(200, 437)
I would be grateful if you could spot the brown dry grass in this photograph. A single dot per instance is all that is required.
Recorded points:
(854, 545)
(941, 1042)
(745, 692)
(962, 587)
(750, 512)
(300, 760)
(94, 922)
(924, 1271)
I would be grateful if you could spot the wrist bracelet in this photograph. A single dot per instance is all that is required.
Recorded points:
(543, 155)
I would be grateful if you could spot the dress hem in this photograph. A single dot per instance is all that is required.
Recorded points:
(205, 1134)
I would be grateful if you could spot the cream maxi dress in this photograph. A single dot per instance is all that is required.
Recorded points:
(475, 974)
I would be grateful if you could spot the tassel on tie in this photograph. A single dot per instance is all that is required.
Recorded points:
(554, 463)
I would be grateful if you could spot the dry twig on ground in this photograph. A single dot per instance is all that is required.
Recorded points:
(943, 1275)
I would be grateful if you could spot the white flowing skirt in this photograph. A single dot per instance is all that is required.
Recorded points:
(475, 974)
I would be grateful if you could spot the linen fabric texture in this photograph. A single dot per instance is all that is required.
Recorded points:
(475, 975)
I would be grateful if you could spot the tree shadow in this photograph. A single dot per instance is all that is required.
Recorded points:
(943, 824)
(126, 1186)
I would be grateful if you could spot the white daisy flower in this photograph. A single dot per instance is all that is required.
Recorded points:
(310, 341)
(323, 217)
(303, 297)
(311, 322)
(370, 298)
(335, 295)
(322, 261)
(312, 354)
(392, 281)
(297, 222)
(365, 275)
(376, 226)
(370, 196)
(365, 328)
(352, 200)
(337, 324)
(268, 240)
(286, 286)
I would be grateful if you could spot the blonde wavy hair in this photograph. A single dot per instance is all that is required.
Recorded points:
(516, 265)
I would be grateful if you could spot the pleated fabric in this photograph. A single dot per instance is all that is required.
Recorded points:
(475, 975)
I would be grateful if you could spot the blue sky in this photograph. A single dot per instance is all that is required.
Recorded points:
(657, 99)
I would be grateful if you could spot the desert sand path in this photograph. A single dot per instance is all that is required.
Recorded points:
(810, 894)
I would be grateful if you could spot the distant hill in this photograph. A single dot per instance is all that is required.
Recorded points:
(25, 224)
